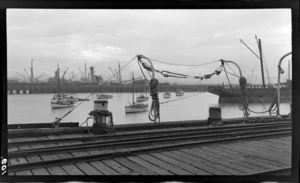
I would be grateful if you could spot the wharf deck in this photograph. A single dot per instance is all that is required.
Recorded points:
(236, 157)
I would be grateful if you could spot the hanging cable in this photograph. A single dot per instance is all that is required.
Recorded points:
(183, 64)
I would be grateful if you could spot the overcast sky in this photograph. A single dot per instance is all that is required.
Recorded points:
(101, 38)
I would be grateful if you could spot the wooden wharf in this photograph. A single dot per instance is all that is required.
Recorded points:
(252, 146)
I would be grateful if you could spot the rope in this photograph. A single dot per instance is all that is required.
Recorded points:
(88, 128)
(183, 64)
(154, 110)
(244, 97)
(108, 127)
(228, 78)
(59, 119)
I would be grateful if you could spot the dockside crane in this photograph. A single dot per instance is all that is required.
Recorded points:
(31, 77)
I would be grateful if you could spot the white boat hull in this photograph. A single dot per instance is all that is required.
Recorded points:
(131, 109)
(55, 105)
(104, 96)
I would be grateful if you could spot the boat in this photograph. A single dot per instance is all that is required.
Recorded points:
(167, 95)
(59, 100)
(104, 96)
(142, 98)
(67, 97)
(179, 93)
(255, 93)
(135, 106)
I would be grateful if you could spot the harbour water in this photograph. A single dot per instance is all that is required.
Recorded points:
(36, 108)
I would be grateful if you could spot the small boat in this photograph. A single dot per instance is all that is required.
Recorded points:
(135, 107)
(61, 100)
(179, 93)
(104, 96)
(84, 99)
(142, 98)
(67, 97)
(167, 95)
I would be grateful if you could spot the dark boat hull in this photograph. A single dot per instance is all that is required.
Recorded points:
(255, 95)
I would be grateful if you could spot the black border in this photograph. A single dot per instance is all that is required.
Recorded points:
(156, 4)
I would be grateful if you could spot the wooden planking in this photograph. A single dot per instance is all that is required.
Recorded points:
(180, 164)
(23, 172)
(119, 168)
(133, 166)
(149, 166)
(25, 147)
(255, 152)
(273, 147)
(12, 149)
(11, 174)
(50, 157)
(40, 171)
(174, 169)
(259, 150)
(56, 170)
(32, 159)
(37, 146)
(199, 170)
(103, 168)
(71, 169)
(16, 161)
(10, 140)
(201, 163)
(88, 169)
(228, 166)
(53, 137)
(80, 153)
(236, 161)
(65, 155)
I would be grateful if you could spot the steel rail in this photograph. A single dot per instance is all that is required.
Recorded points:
(141, 141)
(142, 133)
(141, 150)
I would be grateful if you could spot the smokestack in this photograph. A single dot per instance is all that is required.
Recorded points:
(92, 74)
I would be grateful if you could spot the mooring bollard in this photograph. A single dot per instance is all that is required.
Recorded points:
(102, 117)
(215, 116)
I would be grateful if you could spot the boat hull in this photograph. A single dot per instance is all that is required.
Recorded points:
(104, 96)
(135, 109)
(55, 105)
(255, 95)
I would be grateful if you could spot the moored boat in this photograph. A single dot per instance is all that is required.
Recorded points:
(104, 96)
(142, 98)
(179, 93)
(167, 95)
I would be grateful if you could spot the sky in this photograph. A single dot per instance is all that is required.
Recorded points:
(102, 38)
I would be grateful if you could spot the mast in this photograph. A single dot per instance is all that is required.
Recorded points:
(58, 81)
(132, 88)
(31, 71)
(261, 63)
(120, 78)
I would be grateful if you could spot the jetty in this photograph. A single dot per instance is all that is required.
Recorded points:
(237, 146)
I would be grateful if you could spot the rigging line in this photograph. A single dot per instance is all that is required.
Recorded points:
(228, 79)
(93, 93)
(231, 69)
(233, 74)
(183, 64)
(143, 73)
(180, 98)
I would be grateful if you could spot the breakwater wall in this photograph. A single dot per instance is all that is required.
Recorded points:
(46, 88)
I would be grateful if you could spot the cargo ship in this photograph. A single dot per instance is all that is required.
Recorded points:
(255, 93)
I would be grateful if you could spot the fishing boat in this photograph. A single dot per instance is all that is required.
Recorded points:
(142, 98)
(67, 97)
(255, 93)
(179, 93)
(104, 96)
(167, 95)
(135, 106)
(58, 100)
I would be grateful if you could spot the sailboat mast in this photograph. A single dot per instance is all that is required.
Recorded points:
(261, 63)
(133, 88)
(58, 81)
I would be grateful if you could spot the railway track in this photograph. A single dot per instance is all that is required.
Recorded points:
(108, 146)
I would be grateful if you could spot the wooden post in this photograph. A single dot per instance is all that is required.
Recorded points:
(215, 116)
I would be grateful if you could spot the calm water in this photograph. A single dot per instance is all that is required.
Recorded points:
(35, 108)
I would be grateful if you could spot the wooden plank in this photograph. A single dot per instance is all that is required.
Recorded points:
(182, 165)
(88, 169)
(53, 137)
(119, 168)
(65, 155)
(17, 161)
(12, 149)
(227, 165)
(103, 168)
(18, 139)
(216, 163)
(236, 161)
(50, 157)
(24, 147)
(260, 151)
(149, 166)
(40, 171)
(64, 143)
(94, 152)
(200, 170)
(50, 145)
(174, 169)
(32, 159)
(135, 167)
(10, 140)
(201, 163)
(56, 170)
(80, 153)
(37, 146)
(257, 153)
(71, 169)
(11, 173)
(23, 172)
(273, 147)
